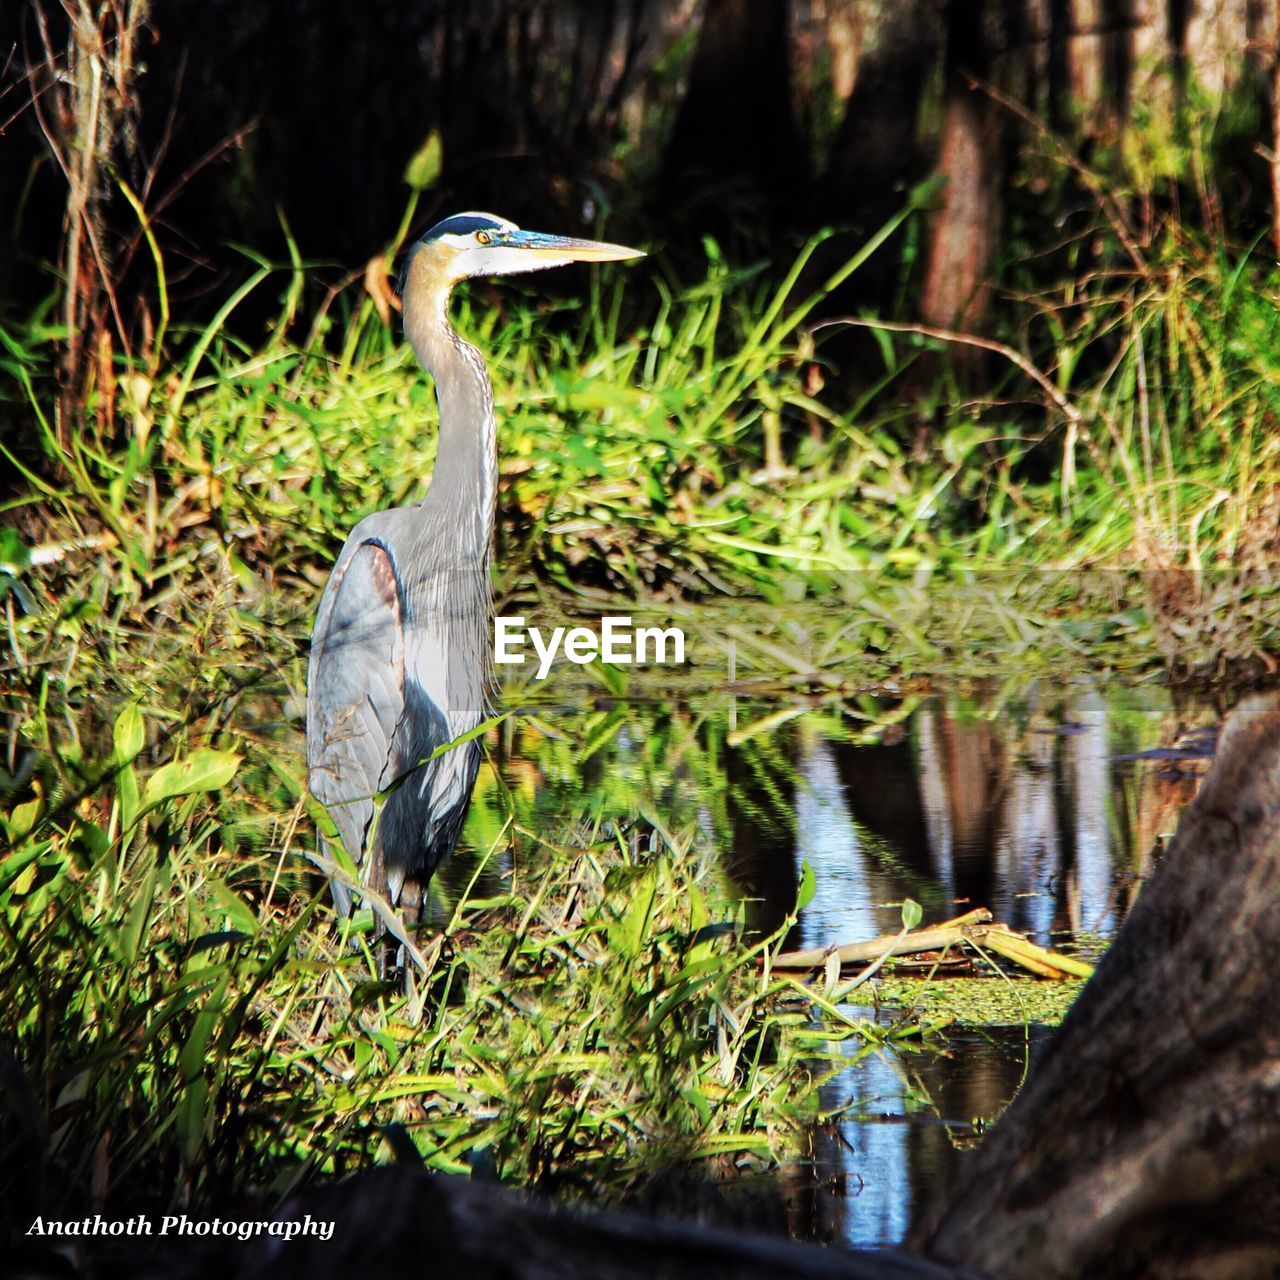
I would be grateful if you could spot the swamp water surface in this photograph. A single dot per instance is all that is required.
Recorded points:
(1045, 804)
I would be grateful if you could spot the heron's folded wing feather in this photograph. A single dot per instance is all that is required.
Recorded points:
(355, 694)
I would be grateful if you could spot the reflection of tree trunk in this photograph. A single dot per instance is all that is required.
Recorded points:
(851, 886)
(976, 769)
(965, 229)
(1028, 852)
(884, 797)
(1147, 1142)
(963, 772)
(1091, 896)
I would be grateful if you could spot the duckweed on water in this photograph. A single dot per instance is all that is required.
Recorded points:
(980, 1002)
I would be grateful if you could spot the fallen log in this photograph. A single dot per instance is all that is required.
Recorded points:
(399, 1221)
(972, 929)
(947, 934)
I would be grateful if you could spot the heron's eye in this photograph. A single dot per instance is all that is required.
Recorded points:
(483, 237)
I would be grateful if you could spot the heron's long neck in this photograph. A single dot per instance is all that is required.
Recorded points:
(465, 480)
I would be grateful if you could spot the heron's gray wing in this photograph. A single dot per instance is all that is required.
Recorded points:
(355, 694)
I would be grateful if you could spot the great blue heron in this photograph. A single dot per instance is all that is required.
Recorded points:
(400, 655)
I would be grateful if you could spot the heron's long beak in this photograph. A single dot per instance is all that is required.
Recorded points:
(538, 245)
(512, 252)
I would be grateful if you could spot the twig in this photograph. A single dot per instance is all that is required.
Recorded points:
(1110, 210)
(1077, 425)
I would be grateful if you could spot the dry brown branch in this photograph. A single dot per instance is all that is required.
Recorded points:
(973, 927)
(83, 97)
(1106, 203)
(1077, 425)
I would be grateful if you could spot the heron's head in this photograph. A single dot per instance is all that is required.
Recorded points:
(480, 244)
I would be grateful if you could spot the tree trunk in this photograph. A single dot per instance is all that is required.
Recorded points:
(874, 159)
(1147, 1142)
(735, 131)
(965, 229)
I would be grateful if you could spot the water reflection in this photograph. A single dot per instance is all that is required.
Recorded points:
(1036, 810)
(1041, 807)
(1091, 881)
(849, 881)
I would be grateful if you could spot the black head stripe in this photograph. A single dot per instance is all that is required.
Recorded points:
(461, 224)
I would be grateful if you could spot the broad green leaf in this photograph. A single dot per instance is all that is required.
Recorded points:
(16, 863)
(127, 795)
(21, 821)
(423, 169)
(237, 911)
(15, 555)
(203, 770)
(129, 735)
(90, 838)
(912, 913)
(629, 932)
(23, 882)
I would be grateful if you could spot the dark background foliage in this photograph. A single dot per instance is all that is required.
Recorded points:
(747, 119)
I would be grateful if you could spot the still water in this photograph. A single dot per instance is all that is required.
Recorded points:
(1044, 802)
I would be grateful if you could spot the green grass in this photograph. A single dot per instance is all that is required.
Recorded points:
(675, 442)
(185, 1020)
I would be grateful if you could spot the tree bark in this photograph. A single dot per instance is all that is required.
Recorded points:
(966, 228)
(874, 159)
(1147, 1142)
(735, 131)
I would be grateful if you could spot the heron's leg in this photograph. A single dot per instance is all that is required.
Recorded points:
(392, 960)
(412, 897)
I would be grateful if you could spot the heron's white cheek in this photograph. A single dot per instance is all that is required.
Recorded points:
(505, 262)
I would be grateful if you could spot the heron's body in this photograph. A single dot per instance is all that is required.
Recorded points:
(400, 657)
